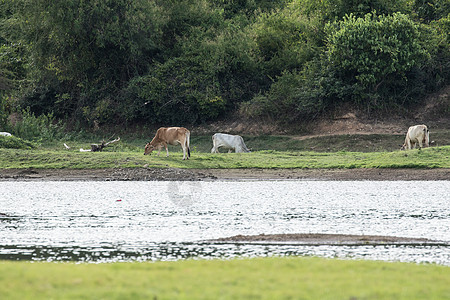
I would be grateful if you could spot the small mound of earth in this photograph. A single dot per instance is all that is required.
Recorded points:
(325, 239)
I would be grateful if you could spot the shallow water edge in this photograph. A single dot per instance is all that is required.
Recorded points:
(99, 221)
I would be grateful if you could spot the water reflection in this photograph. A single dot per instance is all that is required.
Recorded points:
(174, 251)
(127, 221)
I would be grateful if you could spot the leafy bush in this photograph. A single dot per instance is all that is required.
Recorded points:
(438, 43)
(295, 96)
(285, 40)
(431, 10)
(374, 56)
(335, 10)
(43, 127)
(214, 70)
(176, 92)
(3, 112)
(83, 52)
(14, 142)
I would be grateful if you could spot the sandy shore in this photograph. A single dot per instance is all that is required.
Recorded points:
(149, 174)
(316, 239)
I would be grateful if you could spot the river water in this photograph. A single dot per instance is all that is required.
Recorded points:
(170, 220)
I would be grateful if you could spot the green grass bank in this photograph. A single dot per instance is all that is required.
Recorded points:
(268, 152)
(260, 278)
(435, 157)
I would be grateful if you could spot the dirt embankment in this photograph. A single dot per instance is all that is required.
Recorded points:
(433, 112)
(151, 174)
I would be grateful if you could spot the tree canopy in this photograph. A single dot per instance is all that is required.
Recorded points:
(191, 61)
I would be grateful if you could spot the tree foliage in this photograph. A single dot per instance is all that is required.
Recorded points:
(285, 40)
(190, 61)
(368, 59)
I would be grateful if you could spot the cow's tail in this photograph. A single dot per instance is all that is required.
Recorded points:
(188, 138)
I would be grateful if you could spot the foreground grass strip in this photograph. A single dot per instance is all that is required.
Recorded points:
(435, 157)
(262, 278)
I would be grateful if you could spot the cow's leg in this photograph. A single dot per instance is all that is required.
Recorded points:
(185, 156)
(183, 146)
(408, 144)
(420, 143)
(167, 149)
(184, 153)
(215, 149)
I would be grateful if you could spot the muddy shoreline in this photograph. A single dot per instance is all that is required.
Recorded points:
(317, 239)
(152, 174)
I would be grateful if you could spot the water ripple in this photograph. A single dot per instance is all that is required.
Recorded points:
(85, 221)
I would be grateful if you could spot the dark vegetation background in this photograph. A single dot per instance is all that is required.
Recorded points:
(91, 63)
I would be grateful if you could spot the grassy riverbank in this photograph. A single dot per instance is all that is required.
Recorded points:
(435, 157)
(332, 152)
(263, 278)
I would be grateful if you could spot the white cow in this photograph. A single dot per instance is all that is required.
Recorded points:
(418, 134)
(233, 142)
(5, 134)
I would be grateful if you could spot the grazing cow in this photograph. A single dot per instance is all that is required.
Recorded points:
(233, 142)
(417, 134)
(5, 134)
(172, 136)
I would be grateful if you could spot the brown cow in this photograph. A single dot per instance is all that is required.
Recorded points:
(417, 134)
(172, 136)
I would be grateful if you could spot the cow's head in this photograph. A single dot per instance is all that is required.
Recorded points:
(149, 148)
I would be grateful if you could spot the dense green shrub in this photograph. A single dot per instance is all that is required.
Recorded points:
(174, 94)
(214, 70)
(438, 44)
(431, 10)
(285, 40)
(233, 8)
(335, 10)
(3, 111)
(42, 127)
(294, 96)
(374, 56)
(82, 52)
(13, 142)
